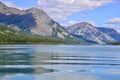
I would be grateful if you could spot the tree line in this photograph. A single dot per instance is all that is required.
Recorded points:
(10, 36)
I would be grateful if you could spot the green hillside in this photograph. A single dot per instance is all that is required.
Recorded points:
(9, 36)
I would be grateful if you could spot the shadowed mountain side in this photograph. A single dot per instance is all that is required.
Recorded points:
(33, 20)
(22, 21)
(36, 22)
(111, 32)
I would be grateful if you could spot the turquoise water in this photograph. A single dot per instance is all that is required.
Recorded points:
(59, 62)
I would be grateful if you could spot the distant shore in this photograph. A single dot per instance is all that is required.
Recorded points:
(113, 43)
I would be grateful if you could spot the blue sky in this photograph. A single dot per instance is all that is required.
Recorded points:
(101, 13)
(20, 3)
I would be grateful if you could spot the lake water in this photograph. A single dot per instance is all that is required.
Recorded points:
(59, 62)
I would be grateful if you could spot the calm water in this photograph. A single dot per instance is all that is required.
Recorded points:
(59, 62)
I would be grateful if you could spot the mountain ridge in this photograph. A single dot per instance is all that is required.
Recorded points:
(35, 20)
(89, 32)
(111, 32)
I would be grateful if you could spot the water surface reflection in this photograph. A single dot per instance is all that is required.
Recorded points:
(59, 62)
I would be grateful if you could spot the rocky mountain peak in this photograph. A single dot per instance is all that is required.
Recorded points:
(82, 27)
(35, 11)
(85, 24)
(33, 20)
(89, 32)
(34, 8)
(2, 5)
(9, 10)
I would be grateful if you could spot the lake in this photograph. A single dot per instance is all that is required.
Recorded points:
(59, 62)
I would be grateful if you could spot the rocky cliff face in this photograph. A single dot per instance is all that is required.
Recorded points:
(89, 32)
(34, 20)
(111, 32)
(9, 10)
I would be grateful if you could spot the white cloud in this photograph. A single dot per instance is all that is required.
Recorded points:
(113, 21)
(69, 23)
(116, 27)
(61, 9)
(10, 4)
(73, 22)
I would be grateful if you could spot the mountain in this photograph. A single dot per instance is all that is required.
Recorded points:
(89, 32)
(33, 20)
(111, 32)
(10, 36)
(35, 23)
